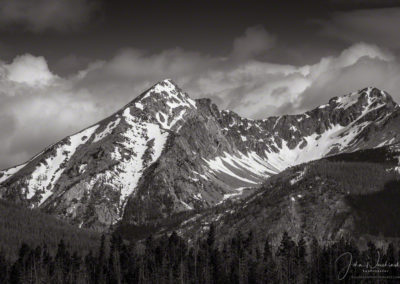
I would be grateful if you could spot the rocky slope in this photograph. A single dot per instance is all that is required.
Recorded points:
(352, 195)
(164, 153)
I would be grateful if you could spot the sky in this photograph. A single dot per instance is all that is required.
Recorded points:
(66, 64)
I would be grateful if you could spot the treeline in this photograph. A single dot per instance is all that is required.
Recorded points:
(378, 212)
(31, 226)
(372, 191)
(171, 259)
(354, 177)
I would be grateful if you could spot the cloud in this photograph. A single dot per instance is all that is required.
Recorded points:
(40, 109)
(41, 15)
(365, 72)
(374, 25)
(29, 69)
(255, 41)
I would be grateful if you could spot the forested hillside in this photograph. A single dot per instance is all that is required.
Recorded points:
(21, 225)
(171, 259)
(354, 195)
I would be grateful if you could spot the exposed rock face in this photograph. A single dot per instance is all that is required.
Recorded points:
(165, 153)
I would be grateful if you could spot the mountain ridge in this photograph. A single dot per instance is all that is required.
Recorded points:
(164, 153)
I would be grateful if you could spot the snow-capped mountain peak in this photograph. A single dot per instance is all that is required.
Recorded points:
(370, 96)
(165, 103)
(164, 153)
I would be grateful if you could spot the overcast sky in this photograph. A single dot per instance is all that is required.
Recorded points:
(66, 64)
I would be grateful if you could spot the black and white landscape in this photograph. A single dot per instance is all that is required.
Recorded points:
(199, 142)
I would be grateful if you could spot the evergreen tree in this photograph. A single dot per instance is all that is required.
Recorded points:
(76, 272)
(114, 262)
(300, 260)
(101, 262)
(314, 269)
(3, 267)
(269, 272)
(16, 274)
(391, 259)
(286, 253)
(90, 268)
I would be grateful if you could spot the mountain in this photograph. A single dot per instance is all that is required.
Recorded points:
(352, 195)
(164, 153)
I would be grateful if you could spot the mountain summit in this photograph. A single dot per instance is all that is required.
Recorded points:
(164, 153)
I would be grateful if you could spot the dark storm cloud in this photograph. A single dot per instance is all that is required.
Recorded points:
(380, 26)
(360, 4)
(255, 41)
(41, 15)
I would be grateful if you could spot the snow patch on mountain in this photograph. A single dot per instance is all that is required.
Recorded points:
(298, 178)
(174, 106)
(9, 172)
(250, 167)
(107, 131)
(316, 147)
(143, 145)
(200, 175)
(385, 143)
(175, 97)
(347, 101)
(238, 191)
(246, 169)
(49, 170)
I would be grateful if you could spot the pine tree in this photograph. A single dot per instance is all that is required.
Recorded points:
(62, 262)
(76, 267)
(3, 267)
(391, 259)
(270, 272)
(114, 265)
(100, 265)
(21, 268)
(213, 254)
(149, 258)
(47, 263)
(250, 249)
(372, 254)
(16, 274)
(286, 254)
(90, 268)
(301, 262)
(37, 265)
(313, 271)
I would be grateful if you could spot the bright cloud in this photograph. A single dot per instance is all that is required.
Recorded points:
(29, 69)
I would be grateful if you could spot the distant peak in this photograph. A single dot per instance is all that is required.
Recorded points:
(164, 97)
(166, 85)
(167, 82)
(374, 94)
(366, 96)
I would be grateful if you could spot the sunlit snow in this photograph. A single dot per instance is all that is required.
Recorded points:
(48, 171)
(9, 172)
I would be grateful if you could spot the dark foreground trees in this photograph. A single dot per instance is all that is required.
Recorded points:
(171, 259)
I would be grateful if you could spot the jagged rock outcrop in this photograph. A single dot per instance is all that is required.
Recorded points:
(164, 153)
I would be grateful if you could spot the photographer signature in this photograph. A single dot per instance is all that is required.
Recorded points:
(347, 259)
